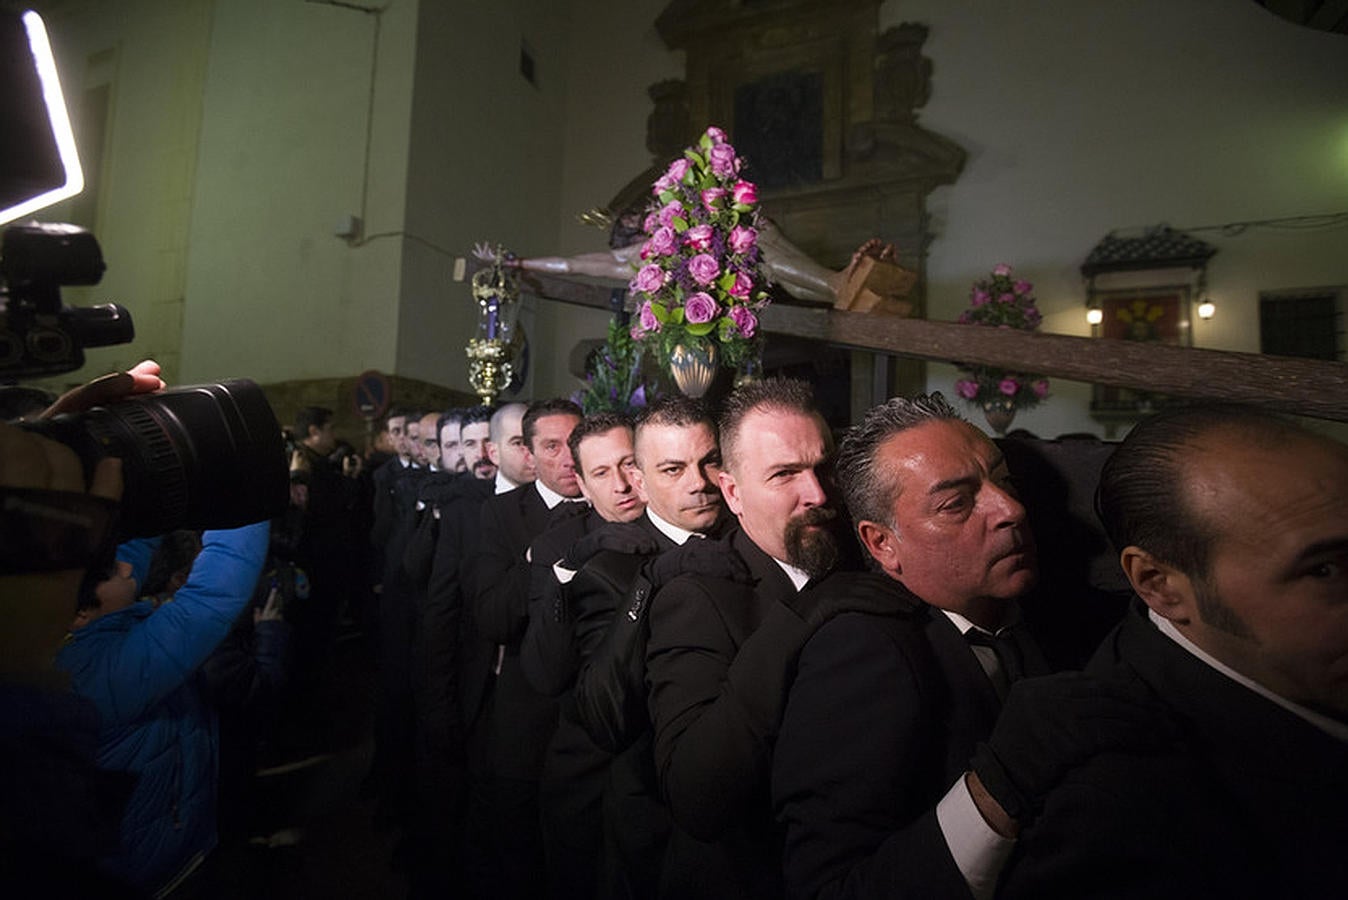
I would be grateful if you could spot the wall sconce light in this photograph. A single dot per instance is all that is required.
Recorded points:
(1094, 315)
(490, 353)
(1206, 309)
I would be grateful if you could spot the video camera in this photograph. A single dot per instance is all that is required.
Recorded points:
(209, 456)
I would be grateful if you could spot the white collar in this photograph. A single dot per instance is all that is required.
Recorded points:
(1332, 727)
(964, 625)
(551, 497)
(676, 534)
(798, 576)
(503, 483)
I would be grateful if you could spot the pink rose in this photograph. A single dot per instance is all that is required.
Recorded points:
(1006, 298)
(636, 331)
(716, 135)
(981, 297)
(649, 279)
(723, 162)
(743, 286)
(744, 320)
(1008, 386)
(1023, 287)
(699, 308)
(669, 212)
(662, 243)
(746, 193)
(742, 239)
(677, 170)
(698, 237)
(712, 197)
(662, 184)
(651, 223)
(1001, 270)
(648, 320)
(966, 388)
(704, 269)
(1040, 388)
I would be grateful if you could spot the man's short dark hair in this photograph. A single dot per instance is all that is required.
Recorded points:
(868, 488)
(315, 416)
(788, 395)
(1141, 497)
(594, 424)
(397, 412)
(475, 414)
(541, 409)
(449, 415)
(675, 411)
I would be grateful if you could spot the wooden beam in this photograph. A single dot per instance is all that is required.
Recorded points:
(1307, 387)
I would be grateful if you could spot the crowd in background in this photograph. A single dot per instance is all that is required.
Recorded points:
(711, 654)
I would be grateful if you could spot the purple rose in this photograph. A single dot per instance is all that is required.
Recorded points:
(662, 184)
(649, 279)
(636, 331)
(1023, 287)
(981, 297)
(704, 268)
(668, 212)
(966, 388)
(745, 192)
(712, 197)
(716, 135)
(742, 239)
(678, 169)
(698, 237)
(699, 308)
(744, 320)
(1006, 298)
(1008, 386)
(743, 286)
(638, 397)
(662, 243)
(651, 223)
(648, 320)
(721, 158)
(1040, 388)
(1001, 270)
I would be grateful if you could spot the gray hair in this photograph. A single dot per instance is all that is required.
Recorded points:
(868, 489)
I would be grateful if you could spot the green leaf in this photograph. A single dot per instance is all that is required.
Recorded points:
(661, 314)
(701, 328)
(676, 316)
(695, 158)
(727, 281)
(680, 224)
(666, 197)
(734, 219)
(704, 142)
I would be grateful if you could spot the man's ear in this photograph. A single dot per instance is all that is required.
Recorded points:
(312, 432)
(881, 543)
(493, 454)
(1161, 586)
(730, 491)
(638, 479)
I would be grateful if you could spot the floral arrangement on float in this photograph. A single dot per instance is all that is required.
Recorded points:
(1001, 301)
(699, 287)
(614, 377)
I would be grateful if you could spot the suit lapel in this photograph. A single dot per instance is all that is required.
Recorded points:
(965, 677)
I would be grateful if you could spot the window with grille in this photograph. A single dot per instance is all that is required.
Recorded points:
(1305, 323)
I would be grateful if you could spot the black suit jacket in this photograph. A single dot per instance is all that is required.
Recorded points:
(719, 659)
(1251, 803)
(548, 651)
(883, 717)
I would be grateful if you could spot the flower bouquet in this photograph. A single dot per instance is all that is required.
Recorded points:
(1001, 301)
(614, 381)
(698, 284)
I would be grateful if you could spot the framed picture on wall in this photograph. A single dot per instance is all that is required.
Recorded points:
(1151, 315)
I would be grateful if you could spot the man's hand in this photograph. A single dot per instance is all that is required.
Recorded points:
(699, 556)
(142, 378)
(1051, 725)
(621, 537)
(840, 592)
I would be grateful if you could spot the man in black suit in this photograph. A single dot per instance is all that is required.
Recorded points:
(507, 739)
(1232, 529)
(888, 707)
(720, 651)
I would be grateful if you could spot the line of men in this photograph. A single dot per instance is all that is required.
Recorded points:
(647, 660)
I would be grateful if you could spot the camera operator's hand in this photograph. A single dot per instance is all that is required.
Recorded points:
(142, 378)
(36, 608)
(351, 465)
(271, 611)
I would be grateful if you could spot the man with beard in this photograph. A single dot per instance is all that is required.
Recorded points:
(474, 440)
(721, 651)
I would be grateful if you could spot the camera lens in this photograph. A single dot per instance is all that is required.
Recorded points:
(207, 456)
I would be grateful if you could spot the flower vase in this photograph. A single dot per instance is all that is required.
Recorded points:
(999, 414)
(694, 367)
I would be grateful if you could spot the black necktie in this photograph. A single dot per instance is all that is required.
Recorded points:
(1003, 643)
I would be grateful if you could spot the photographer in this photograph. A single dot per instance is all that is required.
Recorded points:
(137, 663)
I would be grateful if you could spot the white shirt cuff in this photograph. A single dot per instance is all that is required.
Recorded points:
(564, 575)
(979, 852)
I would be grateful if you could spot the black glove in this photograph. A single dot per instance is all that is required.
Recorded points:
(1051, 725)
(840, 592)
(622, 537)
(698, 556)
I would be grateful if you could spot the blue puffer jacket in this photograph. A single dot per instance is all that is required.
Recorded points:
(137, 665)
